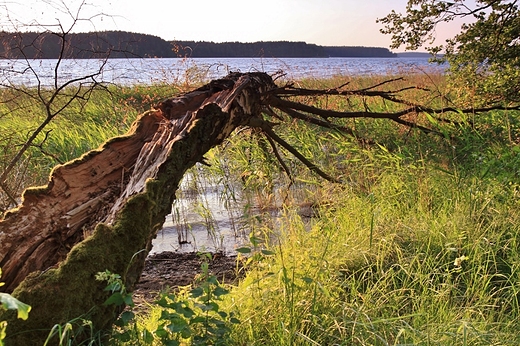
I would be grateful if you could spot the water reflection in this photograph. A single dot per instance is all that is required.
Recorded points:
(218, 215)
(209, 214)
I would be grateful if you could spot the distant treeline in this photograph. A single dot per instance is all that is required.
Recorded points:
(279, 49)
(115, 44)
(121, 44)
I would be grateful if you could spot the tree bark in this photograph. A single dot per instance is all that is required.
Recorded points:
(102, 210)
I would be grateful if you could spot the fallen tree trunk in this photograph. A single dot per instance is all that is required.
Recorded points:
(121, 193)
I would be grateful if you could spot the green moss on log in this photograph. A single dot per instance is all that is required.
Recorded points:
(71, 291)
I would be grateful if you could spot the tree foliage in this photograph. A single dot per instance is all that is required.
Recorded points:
(484, 57)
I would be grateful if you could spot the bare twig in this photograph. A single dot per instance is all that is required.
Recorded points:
(58, 97)
(279, 157)
(267, 128)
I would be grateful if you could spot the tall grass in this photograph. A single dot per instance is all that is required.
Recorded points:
(417, 261)
(419, 247)
(419, 244)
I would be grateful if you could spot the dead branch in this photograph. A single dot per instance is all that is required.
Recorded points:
(279, 158)
(267, 128)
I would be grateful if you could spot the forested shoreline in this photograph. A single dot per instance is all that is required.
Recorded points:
(121, 44)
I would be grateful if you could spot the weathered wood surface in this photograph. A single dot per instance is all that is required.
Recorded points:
(99, 211)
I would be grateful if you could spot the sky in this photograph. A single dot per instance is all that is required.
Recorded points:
(322, 22)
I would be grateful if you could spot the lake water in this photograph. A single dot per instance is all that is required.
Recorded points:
(150, 71)
(216, 215)
(201, 222)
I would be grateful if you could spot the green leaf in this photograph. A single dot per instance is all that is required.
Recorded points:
(212, 280)
(128, 300)
(198, 319)
(147, 336)
(124, 337)
(307, 279)
(254, 240)
(11, 303)
(268, 252)
(113, 286)
(220, 291)
(186, 333)
(211, 306)
(161, 333)
(166, 301)
(197, 292)
(177, 325)
(185, 311)
(243, 250)
(127, 316)
(115, 299)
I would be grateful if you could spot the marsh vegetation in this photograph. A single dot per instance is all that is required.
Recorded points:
(417, 245)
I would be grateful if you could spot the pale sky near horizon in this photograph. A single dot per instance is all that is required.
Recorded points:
(323, 22)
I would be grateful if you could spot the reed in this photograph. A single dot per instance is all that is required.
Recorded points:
(421, 257)
(419, 247)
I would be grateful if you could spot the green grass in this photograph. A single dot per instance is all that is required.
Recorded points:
(380, 269)
(419, 246)
(80, 127)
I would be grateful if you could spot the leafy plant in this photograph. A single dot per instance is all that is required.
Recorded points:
(66, 333)
(194, 315)
(484, 57)
(9, 302)
(115, 285)
(120, 297)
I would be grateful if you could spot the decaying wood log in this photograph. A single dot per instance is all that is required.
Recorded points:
(101, 211)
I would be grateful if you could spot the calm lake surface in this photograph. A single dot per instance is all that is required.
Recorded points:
(151, 71)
